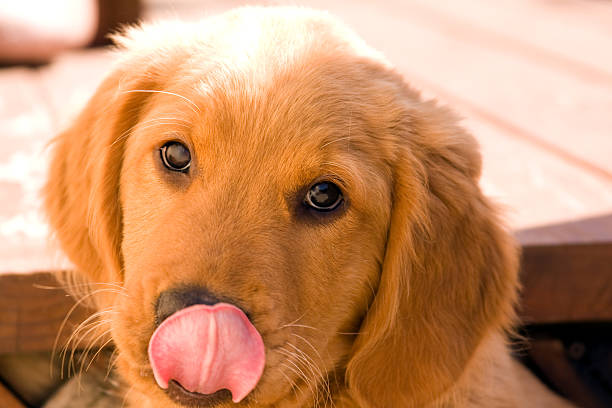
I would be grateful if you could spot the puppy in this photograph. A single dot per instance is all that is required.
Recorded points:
(284, 222)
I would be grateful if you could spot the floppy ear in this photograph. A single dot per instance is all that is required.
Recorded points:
(82, 190)
(449, 274)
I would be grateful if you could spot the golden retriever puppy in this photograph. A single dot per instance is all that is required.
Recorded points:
(288, 224)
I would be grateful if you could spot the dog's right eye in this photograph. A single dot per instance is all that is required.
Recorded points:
(176, 156)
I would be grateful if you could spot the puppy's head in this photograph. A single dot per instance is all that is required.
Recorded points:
(269, 166)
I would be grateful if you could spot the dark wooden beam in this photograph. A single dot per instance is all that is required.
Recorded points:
(567, 283)
(32, 309)
(566, 271)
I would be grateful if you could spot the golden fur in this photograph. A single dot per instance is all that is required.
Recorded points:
(401, 299)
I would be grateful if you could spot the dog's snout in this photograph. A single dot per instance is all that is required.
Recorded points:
(173, 300)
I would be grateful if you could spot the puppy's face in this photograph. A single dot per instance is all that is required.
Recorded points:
(271, 163)
(266, 196)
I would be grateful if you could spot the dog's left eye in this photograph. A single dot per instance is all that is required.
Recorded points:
(324, 196)
(176, 156)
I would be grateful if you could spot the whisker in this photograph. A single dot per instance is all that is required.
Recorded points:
(94, 326)
(196, 110)
(302, 359)
(309, 382)
(291, 355)
(293, 322)
(126, 395)
(301, 325)
(309, 344)
(289, 325)
(98, 352)
(340, 139)
(84, 354)
(297, 372)
(111, 363)
(294, 386)
(291, 383)
(308, 359)
(68, 314)
(91, 344)
(74, 285)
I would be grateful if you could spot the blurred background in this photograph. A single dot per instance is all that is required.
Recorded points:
(532, 80)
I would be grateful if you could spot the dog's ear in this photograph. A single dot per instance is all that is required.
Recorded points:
(449, 274)
(82, 190)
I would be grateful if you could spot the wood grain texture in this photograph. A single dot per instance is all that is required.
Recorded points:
(567, 283)
(32, 311)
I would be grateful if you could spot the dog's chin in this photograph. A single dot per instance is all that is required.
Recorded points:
(263, 394)
(181, 396)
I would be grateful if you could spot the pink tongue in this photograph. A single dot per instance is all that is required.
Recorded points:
(208, 348)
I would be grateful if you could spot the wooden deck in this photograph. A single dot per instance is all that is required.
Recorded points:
(533, 80)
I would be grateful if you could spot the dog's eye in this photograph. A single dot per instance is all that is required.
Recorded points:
(175, 156)
(324, 196)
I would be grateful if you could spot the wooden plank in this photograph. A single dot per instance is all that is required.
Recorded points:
(569, 35)
(8, 400)
(534, 186)
(32, 309)
(567, 283)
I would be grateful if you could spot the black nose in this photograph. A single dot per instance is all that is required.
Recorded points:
(175, 299)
